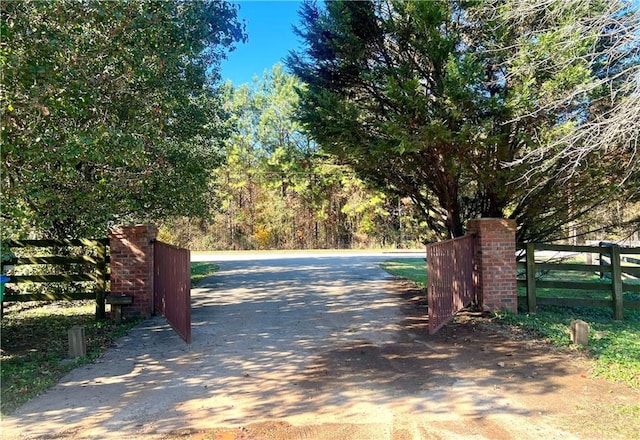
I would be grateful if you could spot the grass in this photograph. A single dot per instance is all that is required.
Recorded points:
(613, 345)
(414, 269)
(34, 342)
(35, 346)
(200, 271)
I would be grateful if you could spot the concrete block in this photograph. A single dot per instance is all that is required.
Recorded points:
(579, 332)
(77, 341)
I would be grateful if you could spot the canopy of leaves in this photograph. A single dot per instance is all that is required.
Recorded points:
(109, 111)
(610, 130)
(421, 99)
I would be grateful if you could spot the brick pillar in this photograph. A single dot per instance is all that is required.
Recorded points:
(495, 262)
(132, 267)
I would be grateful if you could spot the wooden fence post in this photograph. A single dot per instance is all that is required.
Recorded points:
(101, 274)
(531, 278)
(616, 284)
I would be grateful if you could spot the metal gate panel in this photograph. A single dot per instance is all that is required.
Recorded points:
(172, 287)
(450, 282)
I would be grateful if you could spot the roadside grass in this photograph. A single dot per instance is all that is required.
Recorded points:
(613, 345)
(414, 269)
(34, 342)
(201, 270)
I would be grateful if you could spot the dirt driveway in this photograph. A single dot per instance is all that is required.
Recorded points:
(325, 348)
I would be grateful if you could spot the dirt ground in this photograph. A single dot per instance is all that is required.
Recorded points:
(326, 349)
(553, 389)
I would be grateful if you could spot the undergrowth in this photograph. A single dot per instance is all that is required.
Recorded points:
(614, 345)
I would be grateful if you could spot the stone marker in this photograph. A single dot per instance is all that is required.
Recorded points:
(579, 332)
(77, 341)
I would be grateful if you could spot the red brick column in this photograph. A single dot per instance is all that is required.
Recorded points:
(131, 251)
(495, 262)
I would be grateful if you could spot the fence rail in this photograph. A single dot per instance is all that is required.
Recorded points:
(98, 263)
(616, 287)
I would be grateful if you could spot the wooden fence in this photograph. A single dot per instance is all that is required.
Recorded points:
(96, 262)
(617, 285)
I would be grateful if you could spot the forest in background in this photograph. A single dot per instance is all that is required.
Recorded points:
(392, 125)
(276, 189)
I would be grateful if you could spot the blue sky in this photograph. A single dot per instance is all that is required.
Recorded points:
(269, 26)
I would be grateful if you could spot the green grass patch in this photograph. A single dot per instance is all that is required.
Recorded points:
(614, 345)
(202, 270)
(414, 269)
(35, 346)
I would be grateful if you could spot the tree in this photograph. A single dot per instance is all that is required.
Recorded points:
(607, 37)
(277, 191)
(421, 99)
(611, 32)
(273, 189)
(109, 111)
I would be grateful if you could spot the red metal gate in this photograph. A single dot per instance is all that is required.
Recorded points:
(450, 283)
(172, 287)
